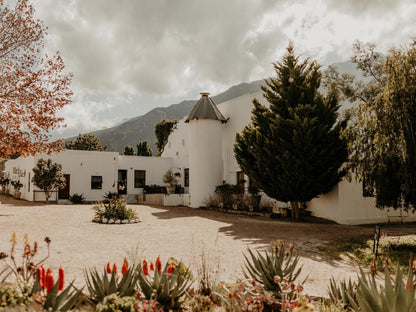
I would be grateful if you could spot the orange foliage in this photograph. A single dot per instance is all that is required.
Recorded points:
(33, 86)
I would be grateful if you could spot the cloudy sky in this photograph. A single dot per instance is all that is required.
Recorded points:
(129, 56)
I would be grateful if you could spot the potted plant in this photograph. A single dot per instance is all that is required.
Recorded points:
(170, 180)
(17, 185)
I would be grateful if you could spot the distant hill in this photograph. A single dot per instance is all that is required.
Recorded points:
(142, 127)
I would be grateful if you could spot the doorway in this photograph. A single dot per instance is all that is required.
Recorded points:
(64, 193)
(122, 182)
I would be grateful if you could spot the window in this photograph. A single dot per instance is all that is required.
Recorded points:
(139, 178)
(186, 177)
(96, 182)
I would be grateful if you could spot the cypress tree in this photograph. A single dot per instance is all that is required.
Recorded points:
(292, 149)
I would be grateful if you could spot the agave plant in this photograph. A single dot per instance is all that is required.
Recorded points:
(343, 293)
(101, 285)
(271, 266)
(166, 286)
(397, 296)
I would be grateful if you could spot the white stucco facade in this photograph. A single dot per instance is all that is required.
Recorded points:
(201, 154)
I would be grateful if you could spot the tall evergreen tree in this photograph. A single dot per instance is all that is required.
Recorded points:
(292, 149)
(143, 149)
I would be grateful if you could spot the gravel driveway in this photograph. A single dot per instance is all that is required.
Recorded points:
(179, 232)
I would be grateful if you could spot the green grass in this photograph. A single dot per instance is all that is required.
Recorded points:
(360, 249)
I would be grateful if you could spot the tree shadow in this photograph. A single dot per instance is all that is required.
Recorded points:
(12, 201)
(309, 239)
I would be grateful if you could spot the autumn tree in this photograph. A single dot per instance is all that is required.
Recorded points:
(162, 131)
(85, 142)
(33, 86)
(292, 149)
(48, 177)
(144, 149)
(382, 132)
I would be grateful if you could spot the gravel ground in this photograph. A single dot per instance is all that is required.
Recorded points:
(183, 233)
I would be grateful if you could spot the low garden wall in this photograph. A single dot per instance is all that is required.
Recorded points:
(164, 199)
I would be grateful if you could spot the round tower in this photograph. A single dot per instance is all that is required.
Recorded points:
(205, 150)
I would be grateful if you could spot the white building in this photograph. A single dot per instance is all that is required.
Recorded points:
(200, 153)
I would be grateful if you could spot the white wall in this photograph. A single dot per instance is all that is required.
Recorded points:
(177, 149)
(205, 159)
(155, 168)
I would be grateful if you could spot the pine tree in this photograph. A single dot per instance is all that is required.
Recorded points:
(143, 149)
(292, 149)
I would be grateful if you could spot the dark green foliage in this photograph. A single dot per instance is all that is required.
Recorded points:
(128, 150)
(343, 293)
(162, 131)
(76, 198)
(57, 301)
(383, 129)
(144, 149)
(85, 142)
(292, 150)
(48, 176)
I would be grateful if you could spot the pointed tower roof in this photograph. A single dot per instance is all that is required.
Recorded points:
(205, 108)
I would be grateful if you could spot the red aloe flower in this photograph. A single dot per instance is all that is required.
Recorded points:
(171, 268)
(61, 279)
(158, 264)
(145, 268)
(152, 267)
(108, 268)
(49, 281)
(125, 267)
(115, 268)
(41, 276)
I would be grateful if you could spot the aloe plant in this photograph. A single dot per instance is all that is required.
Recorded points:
(397, 296)
(101, 285)
(266, 267)
(167, 286)
(343, 293)
(56, 300)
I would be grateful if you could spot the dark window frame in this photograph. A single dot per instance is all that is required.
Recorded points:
(139, 182)
(98, 184)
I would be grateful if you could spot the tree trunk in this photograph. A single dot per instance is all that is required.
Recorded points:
(294, 205)
(47, 196)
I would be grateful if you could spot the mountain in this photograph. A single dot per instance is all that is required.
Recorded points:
(142, 127)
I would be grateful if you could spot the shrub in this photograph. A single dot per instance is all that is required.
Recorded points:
(113, 303)
(273, 266)
(115, 209)
(76, 198)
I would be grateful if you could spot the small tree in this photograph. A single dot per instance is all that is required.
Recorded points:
(162, 130)
(292, 150)
(143, 149)
(85, 142)
(48, 177)
(128, 150)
